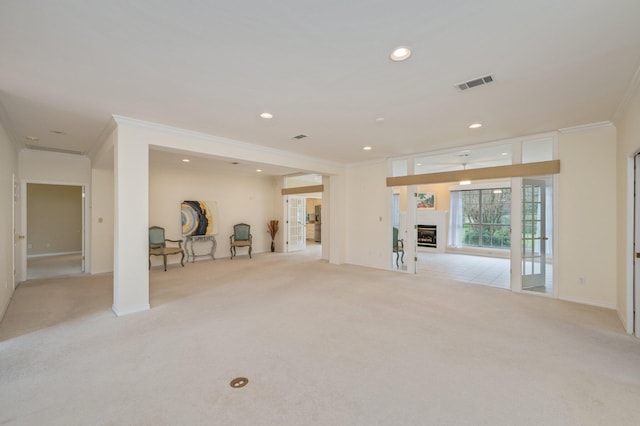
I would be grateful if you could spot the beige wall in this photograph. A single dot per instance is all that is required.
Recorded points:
(442, 195)
(102, 221)
(587, 216)
(240, 199)
(8, 168)
(628, 128)
(368, 225)
(54, 219)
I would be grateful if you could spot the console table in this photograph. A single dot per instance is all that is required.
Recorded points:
(191, 239)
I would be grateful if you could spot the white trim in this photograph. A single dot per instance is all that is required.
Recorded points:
(121, 120)
(34, 256)
(7, 124)
(628, 322)
(132, 310)
(587, 302)
(28, 151)
(587, 127)
(634, 85)
(485, 144)
(104, 134)
(504, 253)
(497, 184)
(85, 218)
(556, 221)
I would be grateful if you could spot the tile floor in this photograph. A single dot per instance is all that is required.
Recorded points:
(491, 271)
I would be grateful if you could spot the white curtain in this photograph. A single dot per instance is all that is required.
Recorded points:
(455, 227)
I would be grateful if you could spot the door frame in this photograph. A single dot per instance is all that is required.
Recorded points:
(288, 219)
(541, 231)
(22, 267)
(632, 320)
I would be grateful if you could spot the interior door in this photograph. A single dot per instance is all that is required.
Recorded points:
(533, 234)
(296, 229)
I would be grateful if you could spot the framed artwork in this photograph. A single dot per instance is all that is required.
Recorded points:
(426, 200)
(199, 218)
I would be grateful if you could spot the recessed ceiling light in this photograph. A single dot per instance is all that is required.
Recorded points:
(418, 164)
(32, 138)
(475, 125)
(505, 153)
(258, 170)
(400, 54)
(380, 120)
(367, 148)
(465, 182)
(185, 160)
(266, 115)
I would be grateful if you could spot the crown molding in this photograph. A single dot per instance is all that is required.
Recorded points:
(102, 138)
(634, 86)
(218, 139)
(586, 127)
(8, 128)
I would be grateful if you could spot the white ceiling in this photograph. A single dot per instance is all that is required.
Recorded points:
(322, 69)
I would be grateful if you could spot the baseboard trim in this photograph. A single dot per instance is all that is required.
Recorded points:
(586, 302)
(131, 310)
(33, 256)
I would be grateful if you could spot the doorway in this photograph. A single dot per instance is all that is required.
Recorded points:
(304, 222)
(54, 230)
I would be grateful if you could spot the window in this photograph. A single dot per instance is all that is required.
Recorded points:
(481, 218)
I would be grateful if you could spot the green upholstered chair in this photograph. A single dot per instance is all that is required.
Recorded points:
(241, 238)
(158, 246)
(398, 246)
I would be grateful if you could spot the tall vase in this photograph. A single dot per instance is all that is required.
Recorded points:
(273, 246)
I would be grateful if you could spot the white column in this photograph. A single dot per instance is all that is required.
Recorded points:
(131, 222)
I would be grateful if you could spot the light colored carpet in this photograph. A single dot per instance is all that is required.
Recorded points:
(321, 344)
(54, 266)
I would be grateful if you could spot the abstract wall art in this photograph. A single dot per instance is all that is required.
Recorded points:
(199, 218)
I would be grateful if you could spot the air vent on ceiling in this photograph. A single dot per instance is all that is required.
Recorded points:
(300, 137)
(63, 151)
(475, 82)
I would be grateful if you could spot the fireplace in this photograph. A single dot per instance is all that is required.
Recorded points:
(428, 236)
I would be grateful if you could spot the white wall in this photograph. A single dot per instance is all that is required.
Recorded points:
(368, 224)
(8, 168)
(628, 129)
(102, 221)
(239, 198)
(587, 197)
(587, 216)
(54, 167)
